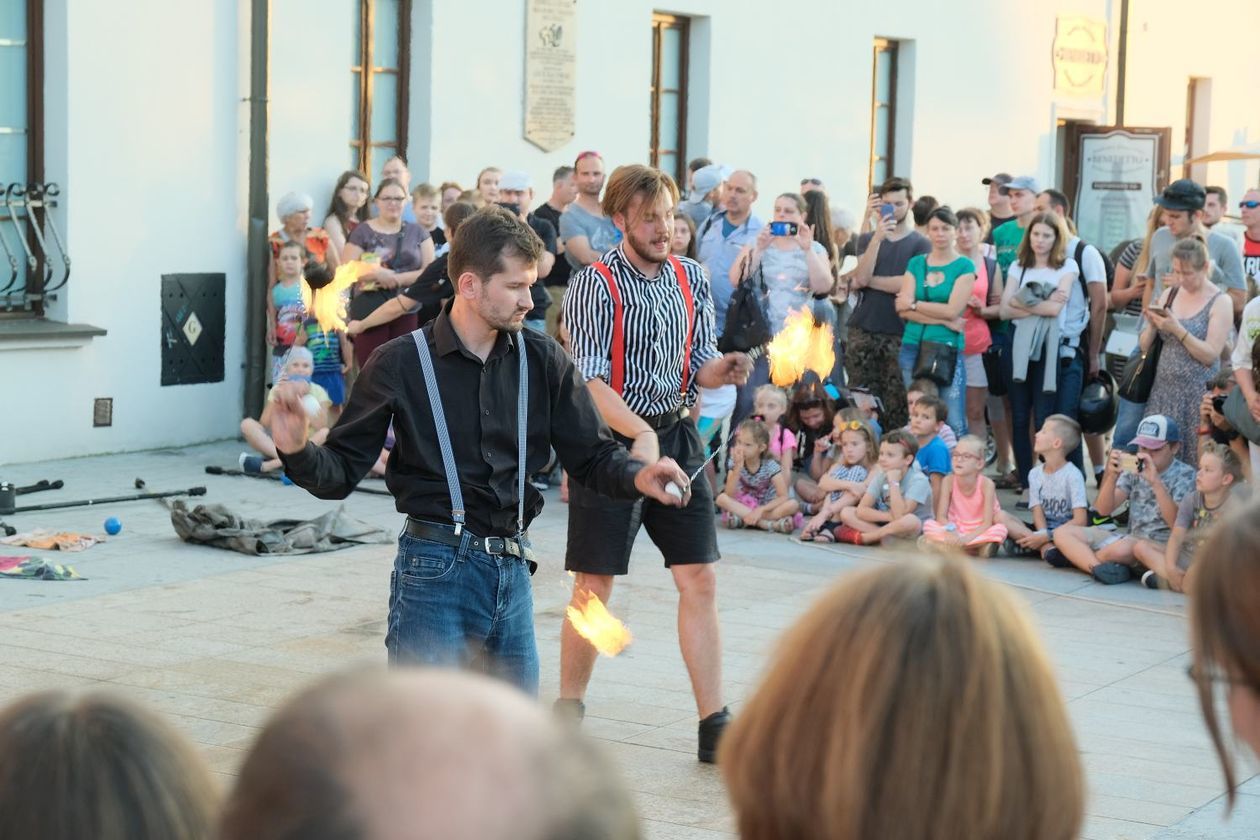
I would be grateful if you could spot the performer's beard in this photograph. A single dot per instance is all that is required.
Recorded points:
(653, 250)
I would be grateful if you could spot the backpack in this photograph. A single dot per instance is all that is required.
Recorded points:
(1108, 266)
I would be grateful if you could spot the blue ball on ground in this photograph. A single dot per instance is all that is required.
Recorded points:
(112, 526)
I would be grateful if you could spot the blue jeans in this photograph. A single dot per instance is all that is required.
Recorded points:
(955, 396)
(458, 607)
(1030, 402)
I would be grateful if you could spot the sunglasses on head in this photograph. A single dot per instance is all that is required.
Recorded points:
(817, 182)
(1250, 205)
(850, 426)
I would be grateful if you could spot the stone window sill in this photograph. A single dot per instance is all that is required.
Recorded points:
(41, 334)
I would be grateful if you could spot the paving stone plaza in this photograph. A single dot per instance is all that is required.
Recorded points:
(215, 640)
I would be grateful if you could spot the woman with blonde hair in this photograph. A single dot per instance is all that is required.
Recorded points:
(99, 766)
(911, 701)
(1224, 624)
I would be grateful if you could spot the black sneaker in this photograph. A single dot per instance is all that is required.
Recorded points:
(1055, 558)
(1112, 573)
(540, 481)
(569, 711)
(711, 729)
(1151, 580)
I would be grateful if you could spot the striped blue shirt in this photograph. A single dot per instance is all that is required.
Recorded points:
(655, 329)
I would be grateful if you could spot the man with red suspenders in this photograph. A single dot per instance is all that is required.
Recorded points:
(642, 334)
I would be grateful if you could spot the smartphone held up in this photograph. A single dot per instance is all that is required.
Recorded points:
(783, 228)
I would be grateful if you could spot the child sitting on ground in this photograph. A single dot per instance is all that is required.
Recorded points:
(756, 493)
(921, 388)
(967, 510)
(1056, 492)
(927, 416)
(825, 457)
(1154, 482)
(332, 356)
(810, 418)
(846, 481)
(298, 366)
(897, 500)
(770, 402)
(284, 305)
(1218, 489)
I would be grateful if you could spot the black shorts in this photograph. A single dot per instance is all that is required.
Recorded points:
(602, 530)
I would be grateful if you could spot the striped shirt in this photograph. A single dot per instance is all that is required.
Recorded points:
(655, 329)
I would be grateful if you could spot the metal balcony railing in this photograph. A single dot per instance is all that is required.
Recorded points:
(38, 264)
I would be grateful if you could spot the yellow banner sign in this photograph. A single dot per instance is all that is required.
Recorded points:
(1080, 56)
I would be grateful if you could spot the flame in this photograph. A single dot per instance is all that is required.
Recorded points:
(800, 346)
(597, 625)
(329, 308)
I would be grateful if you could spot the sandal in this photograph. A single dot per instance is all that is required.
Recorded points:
(824, 536)
(783, 525)
(808, 535)
(1010, 481)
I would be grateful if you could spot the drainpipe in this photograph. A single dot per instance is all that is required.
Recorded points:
(1122, 60)
(256, 249)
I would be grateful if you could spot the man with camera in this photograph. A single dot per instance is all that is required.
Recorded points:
(1214, 426)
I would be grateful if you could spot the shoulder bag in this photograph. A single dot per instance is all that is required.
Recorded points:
(747, 324)
(1139, 372)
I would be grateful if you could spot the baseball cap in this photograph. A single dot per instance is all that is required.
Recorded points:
(707, 179)
(1183, 194)
(514, 180)
(1022, 182)
(1001, 179)
(1156, 432)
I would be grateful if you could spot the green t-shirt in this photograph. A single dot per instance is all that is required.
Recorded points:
(1006, 238)
(938, 290)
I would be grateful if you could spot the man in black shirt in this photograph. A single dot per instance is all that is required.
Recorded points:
(563, 192)
(460, 591)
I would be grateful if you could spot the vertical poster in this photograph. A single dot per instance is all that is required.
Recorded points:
(1119, 172)
(550, 72)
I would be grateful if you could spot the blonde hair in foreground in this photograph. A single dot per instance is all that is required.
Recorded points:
(912, 700)
(1224, 622)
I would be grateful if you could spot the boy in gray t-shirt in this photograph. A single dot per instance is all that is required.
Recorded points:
(897, 500)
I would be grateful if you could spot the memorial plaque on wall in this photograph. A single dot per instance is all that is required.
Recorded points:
(550, 72)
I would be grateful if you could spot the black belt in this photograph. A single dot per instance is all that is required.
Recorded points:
(669, 418)
(445, 534)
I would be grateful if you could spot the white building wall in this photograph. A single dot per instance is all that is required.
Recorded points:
(1166, 50)
(148, 163)
(147, 132)
(312, 102)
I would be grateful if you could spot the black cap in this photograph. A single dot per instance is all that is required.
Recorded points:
(1001, 179)
(1183, 194)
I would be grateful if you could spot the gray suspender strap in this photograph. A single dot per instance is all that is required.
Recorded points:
(444, 435)
(522, 422)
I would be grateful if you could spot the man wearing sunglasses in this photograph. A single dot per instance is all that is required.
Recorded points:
(1249, 211)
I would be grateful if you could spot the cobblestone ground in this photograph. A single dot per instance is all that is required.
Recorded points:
(216, 640)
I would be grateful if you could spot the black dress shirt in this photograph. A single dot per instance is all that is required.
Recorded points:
(479, 401)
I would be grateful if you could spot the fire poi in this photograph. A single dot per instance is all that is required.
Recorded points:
(329, 308)
(597, 625)
(801, 345)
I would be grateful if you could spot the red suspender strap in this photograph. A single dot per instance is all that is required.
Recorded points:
(618, 354)
(690, 304)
